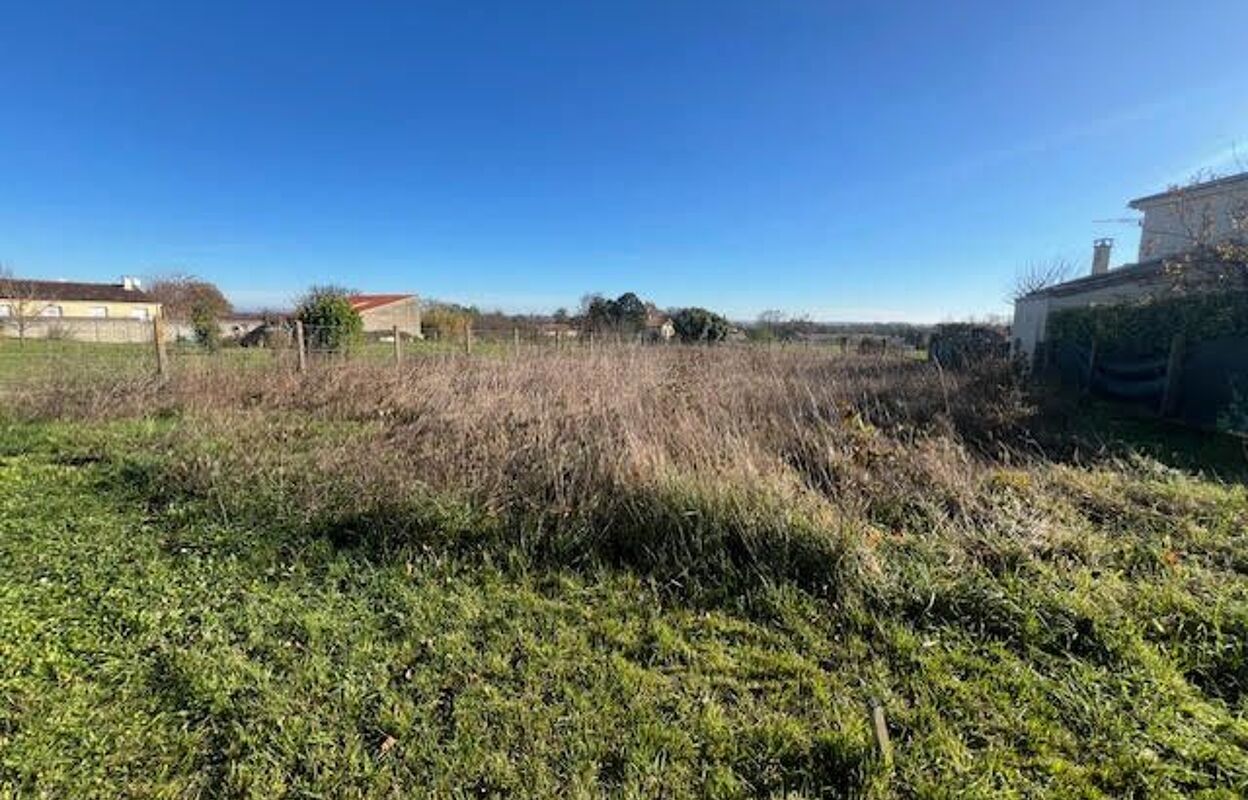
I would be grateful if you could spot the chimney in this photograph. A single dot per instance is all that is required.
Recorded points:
(130, 283)
(1100, 255)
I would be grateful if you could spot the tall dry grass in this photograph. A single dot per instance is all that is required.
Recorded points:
(709, 465)
(1028, 621)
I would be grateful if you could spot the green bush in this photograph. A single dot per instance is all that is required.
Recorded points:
(1147, 328)
(700, 325)
(330, 323)
(205, 328)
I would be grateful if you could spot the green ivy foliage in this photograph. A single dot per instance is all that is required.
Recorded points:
(1142, 329)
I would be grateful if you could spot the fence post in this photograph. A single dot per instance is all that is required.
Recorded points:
(1087, 383)
(515, 340)
(158, 338)
(468, 338)
(1174, 370)
(398, 348)
(302, 361)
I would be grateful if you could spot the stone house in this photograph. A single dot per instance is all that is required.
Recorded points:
(1177, 223)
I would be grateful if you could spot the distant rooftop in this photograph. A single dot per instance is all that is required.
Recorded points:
(1216, 183)
(367, 302)
(67, 291)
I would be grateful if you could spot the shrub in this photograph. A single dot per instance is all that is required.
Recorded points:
(329, 321)
(700, 325)
(204, 326)
(1146, 328)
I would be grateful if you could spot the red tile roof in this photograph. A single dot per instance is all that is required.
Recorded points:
(367, 302)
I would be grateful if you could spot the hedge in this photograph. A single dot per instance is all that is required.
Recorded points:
(1143, 329)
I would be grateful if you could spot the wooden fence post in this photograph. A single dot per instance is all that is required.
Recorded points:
(1174, 371)
(468, 338)
(158, 338)
(398, 346)
(515, 340)
(1087, 383)
(301, 362)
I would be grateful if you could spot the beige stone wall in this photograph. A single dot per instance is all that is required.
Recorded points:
(404, 313)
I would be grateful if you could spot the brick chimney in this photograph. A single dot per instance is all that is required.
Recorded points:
(1100, 255)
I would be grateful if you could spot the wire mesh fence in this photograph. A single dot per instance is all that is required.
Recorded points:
(54, 348)
(73, 349)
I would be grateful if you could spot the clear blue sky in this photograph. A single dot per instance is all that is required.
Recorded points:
(848, 160)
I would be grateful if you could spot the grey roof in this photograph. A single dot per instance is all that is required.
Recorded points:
(72, 290)
(1217, 183)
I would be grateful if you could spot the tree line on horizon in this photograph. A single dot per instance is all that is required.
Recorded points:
(187, 298)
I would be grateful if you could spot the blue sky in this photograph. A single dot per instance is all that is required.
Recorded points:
(846, 160)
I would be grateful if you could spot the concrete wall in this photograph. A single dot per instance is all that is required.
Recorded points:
(403, 313)
(1178, 222)
(78, 329)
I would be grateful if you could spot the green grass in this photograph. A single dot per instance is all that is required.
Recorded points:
(161, 642)
(171, 654)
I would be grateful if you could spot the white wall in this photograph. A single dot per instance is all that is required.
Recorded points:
(1182, 220)
(1031, 313)
(1030, 316)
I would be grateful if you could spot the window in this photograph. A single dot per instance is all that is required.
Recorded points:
(6, 310)
(139, 314)
(97, 311)
(50, 311)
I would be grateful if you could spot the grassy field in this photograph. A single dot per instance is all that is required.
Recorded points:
(675, 573)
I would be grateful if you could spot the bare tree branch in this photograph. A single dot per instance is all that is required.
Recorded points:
(1039, 275)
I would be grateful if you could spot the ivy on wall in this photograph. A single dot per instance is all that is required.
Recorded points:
(1143, 329)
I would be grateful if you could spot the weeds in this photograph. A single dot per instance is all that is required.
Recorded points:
(629, 572)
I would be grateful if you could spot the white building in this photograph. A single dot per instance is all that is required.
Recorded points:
(1204, 214)
(1175, 222)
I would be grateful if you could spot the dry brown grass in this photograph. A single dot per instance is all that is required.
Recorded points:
(1032, 625)
(692, 462)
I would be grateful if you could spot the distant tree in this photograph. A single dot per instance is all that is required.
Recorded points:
(19, 298)
(598, 313)
(446, 320)
(560, 315)
(183, 297)
(186, 298)
(330, 323)
(700, 325)
(624, 315)
(630, 313)
(205, 323)
(775, 324)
